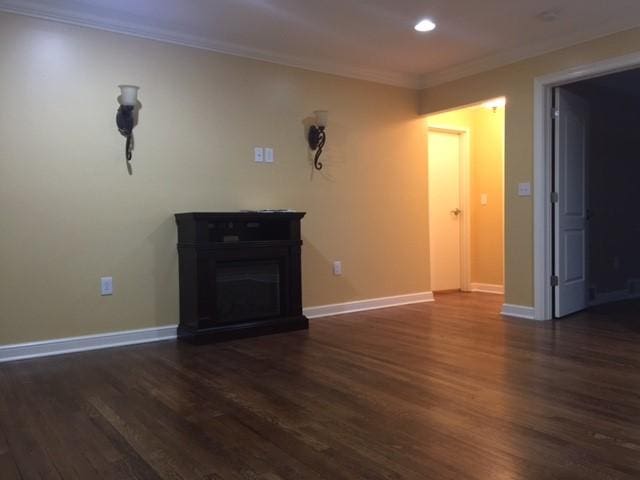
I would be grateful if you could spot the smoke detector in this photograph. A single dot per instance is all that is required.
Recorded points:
(549, 15)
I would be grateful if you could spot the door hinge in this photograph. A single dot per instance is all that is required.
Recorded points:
(555, 281)
(555, 113)
(554, 197)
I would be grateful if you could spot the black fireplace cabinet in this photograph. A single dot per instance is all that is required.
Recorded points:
(240, 274)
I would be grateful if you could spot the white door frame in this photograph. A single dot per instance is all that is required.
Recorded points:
(465, 185)
(542, 162)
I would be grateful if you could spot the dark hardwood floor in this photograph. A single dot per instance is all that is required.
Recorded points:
(448, 390)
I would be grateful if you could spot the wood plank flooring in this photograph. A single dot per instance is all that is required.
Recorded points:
(449, 390)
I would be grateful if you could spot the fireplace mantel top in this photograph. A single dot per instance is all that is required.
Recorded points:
(233, 229)
(242, 215)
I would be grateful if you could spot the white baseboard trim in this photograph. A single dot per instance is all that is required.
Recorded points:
(518, 311)
(371, 304)
(84, 343)
(487, 288)
(88, 342)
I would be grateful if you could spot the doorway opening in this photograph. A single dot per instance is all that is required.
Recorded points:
(543, 141)
(466, 198)
(595, 168)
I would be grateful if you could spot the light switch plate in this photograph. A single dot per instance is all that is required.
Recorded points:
(268, 155)
(337, 268)
(258, 154)
(524, 189)
(106, 286)
(484, 199)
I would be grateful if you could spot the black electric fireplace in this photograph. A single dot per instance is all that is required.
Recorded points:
(240, 274)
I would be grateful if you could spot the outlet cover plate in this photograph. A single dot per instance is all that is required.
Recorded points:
(106, 286)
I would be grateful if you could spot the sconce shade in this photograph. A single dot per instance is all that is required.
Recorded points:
(322, 118)
(128, 95)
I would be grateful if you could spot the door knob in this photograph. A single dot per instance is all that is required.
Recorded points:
(456, 212)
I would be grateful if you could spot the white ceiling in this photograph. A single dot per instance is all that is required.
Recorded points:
(369, 39)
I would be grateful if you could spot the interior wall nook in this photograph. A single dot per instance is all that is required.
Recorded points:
(481, 129)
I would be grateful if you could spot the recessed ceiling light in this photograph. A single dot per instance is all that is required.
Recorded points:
(425, 25)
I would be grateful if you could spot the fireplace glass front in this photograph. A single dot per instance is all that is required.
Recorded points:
(247, 290)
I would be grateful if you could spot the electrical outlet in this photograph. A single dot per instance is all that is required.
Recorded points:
(106, 286)
(337, 268)
(524, 189)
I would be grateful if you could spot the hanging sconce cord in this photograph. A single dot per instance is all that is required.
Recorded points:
(129, 145)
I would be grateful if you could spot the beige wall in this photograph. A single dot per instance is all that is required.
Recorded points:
(71, 213)
(486, 152)
(516, 83)
(487, 177)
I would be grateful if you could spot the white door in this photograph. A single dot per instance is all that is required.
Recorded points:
(570, 210)
(444, 210)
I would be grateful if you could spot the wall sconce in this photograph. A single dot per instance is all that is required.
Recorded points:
(317, 136)
(125, 118)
